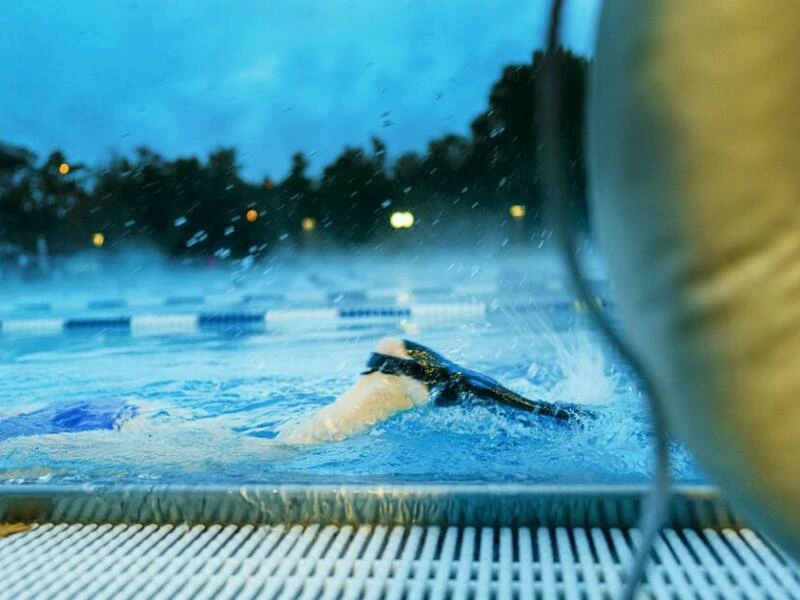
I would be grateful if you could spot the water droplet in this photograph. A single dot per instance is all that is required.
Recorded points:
(198, 237)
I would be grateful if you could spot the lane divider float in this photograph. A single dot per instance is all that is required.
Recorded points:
(254, 320)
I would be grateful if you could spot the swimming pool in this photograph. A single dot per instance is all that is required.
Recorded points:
(115, 385)
(138, 422)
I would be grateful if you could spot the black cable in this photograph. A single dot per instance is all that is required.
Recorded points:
(654, 510)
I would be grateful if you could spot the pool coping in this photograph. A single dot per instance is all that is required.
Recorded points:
(480, 505)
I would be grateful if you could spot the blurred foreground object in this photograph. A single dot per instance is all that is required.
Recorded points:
(693, 146)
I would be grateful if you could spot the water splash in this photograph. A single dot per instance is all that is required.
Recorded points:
(586, 375)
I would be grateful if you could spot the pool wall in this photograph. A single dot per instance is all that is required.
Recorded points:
(442, 505)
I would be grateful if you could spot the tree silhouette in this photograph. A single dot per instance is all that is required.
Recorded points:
(354, 191)
(297, 197)
(189, 207)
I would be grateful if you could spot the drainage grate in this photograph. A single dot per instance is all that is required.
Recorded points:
(330, 561)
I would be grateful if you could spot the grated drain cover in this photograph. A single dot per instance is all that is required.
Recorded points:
(332, 562)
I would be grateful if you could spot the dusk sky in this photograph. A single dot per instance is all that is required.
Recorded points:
(269, 77)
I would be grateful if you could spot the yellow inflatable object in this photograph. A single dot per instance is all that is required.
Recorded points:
(694, 146)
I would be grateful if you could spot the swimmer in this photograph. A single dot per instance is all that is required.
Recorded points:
(401, 375)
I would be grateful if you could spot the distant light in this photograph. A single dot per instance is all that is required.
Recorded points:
(517, 211)
(403, 297)
(98, 239)
(308, 224)
(63, 168)
(401, 220)
(251, 215)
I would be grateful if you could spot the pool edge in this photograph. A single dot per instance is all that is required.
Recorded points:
(482, 505)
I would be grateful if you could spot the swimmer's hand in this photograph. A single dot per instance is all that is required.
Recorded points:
(373, 398)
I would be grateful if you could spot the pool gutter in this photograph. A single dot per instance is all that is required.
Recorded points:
(489, 505)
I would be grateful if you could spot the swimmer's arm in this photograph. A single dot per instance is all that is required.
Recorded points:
(373, 398)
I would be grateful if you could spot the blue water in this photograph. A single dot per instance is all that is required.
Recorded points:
(206, 407)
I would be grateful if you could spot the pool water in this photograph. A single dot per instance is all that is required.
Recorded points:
(205, 407)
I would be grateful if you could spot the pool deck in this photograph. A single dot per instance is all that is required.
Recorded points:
(454, 541)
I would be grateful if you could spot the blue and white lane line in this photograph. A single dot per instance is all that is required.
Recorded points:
(192, 302)
(243, 320)
(191, 322)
